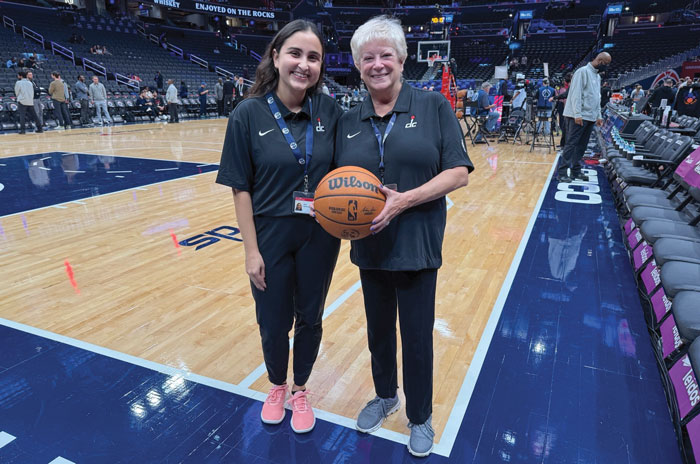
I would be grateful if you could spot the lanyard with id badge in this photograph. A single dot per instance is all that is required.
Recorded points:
(302, 200)
(381, 140)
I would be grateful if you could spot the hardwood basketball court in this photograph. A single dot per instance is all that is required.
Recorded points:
(136, 289)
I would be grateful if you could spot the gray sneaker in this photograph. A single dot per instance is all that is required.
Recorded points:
(422, 435)
(375, 412)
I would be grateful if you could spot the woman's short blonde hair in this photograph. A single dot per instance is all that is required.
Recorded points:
(382, 28)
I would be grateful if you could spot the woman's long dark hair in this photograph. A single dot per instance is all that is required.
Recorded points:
(266, 76)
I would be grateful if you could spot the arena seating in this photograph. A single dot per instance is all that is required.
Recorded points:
(558, 50)
(655, 174)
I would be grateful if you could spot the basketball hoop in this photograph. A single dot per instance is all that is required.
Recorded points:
(431, 60)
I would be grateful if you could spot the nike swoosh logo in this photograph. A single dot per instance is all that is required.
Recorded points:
(261, 133)
(353, 135)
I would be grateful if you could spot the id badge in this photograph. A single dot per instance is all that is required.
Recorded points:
(302, 202)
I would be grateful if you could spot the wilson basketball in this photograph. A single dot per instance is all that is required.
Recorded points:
(347, 200)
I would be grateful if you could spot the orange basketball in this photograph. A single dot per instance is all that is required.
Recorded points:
(347, 200)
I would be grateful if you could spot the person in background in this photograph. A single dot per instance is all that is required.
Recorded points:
(183, 89)
(11, 63)
(485, 108)
(324, 89)
(158, 105)
(561, 94)
(203, 92)
(605, 94)
(519, 96)
(664, 92)
(229, 95)
(240, 91)
(219, 91)
(25, 102)
(81, 93)
(582, 111)
(38, 110)
(57, 91)
(98, 95)
(146, 105)
(171, 100)
(159, 81)
(637, 94)
(545, 97)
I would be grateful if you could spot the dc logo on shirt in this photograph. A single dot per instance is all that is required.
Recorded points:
(319, 127)
(546, 93)
(411, 124)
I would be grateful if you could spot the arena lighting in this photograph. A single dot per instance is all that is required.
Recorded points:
(652, 18)
(627, 8)
(636, 19)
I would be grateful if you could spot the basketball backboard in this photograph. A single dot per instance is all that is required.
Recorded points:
(433, 48)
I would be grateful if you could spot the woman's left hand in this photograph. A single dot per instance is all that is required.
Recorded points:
(396, 203)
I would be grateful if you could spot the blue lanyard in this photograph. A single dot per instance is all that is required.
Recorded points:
(381, 140)
(304, 161)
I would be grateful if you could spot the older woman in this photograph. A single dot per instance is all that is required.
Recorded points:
(412, 141)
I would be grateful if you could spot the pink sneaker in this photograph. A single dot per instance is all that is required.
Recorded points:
(303, 419)
(273, 408)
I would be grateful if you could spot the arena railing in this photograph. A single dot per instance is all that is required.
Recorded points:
(59, 49)
(197, 60)
(141, 30)
(124, 80)
(9, 22)
(256, 56)
(176, 50)
(90, 65)
(154, 38)
(35, 36)
(223, 72)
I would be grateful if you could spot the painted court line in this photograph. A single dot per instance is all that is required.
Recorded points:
(5, 439)
(60, 460)
(166, 169)
(449, 433)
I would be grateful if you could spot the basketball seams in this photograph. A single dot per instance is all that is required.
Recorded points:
(350, 226)
(350, 195)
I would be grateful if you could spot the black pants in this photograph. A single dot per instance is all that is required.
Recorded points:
(299, 259)
(562, 124)
(61, 114)
(220, 107)
(228, 104)
(23, 111)
(172, 111)
(577, 137)
(202, 108)
(84, 108)
(414, 294)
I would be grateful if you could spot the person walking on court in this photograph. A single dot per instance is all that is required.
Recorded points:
(57, 91)
(279, 144)
(81, 93)
(219, 90)
(24, 91)
(98, 95)
(203, 92)
(171, 100)
(581, 112)
(229, 95)
(411, 140)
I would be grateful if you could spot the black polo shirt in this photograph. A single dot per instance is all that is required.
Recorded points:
(426, 139)
(257, 159)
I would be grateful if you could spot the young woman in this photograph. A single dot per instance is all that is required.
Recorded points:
(279, 144)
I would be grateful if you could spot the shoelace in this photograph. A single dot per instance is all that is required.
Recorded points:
(299, 402)
(426, 428)
(275, 393)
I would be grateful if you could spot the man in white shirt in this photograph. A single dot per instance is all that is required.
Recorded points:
(24, 91)
(582, 110)
(171, 100)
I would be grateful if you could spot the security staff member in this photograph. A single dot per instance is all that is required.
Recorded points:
(279, 145)
(411, 140)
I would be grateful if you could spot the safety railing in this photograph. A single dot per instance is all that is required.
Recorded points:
(154, 38)
(9, 23)
(124, 80)
(97, 68)
(256, 56)
(141, 30)
(176, 50)
(197, 60)
(35, 36)
(223, 72)
(58, 49)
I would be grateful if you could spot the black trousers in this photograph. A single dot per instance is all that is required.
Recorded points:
(172, 111)
(23, 111)
(220, 107)
(84, 109)
(413, 292)
(577, 137)
(299, 260)
(61, 114)
(228, 104)
(562, 124)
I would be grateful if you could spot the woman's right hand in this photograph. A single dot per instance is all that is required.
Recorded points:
(255, 268)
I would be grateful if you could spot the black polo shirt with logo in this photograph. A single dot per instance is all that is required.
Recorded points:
(257, 159)
(426, 139)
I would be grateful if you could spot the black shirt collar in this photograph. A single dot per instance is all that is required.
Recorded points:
(401, 106)
(286, 113)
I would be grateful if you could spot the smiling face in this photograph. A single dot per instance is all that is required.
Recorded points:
(380, 67)
(298, 62)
